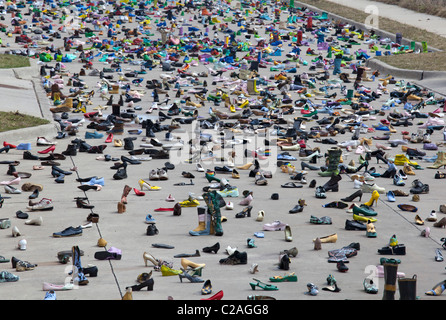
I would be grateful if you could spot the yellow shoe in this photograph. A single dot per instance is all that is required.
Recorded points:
(363, 219)
(166, 271)
(143, 184)
(374, 198)
(190, 203)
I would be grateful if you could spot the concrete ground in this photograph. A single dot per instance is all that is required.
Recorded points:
(127, 231)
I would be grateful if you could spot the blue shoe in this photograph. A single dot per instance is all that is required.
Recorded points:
(390, 196)
(287, 157)
(68, 232)
(93, 135)
(382, 128)
(50, 295)
(150, 219)
(24, 146)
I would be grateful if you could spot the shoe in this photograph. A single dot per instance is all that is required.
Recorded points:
(42, 205)
(36, 221)
(143, 184)
(68, 232)
(262, 285)
(274, 226)
(292, 277)
(340, 265)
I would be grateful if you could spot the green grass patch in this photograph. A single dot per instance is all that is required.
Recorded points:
(403, 61)
(16, 120)
(9, 61)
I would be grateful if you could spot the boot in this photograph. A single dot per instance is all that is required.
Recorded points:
(212, 200)
(71, 150)
(149, 129)
(334, 157)
(121, 207)
(333, 183)
(125, 193)
(64, 107)
(128, 144)
(390, 276)
(201, 220)
(440, 162)
(408, 288)
(78, 274)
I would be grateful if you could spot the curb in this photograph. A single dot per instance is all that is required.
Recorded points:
(404, 73)
(379, 32)
(47, 130)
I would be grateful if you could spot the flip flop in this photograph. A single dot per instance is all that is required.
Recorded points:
(291, 185)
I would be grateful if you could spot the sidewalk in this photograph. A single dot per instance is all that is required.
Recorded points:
(420, 20)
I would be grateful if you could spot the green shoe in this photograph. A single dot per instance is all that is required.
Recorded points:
(288, 278)
(264, 286)
(387, 260)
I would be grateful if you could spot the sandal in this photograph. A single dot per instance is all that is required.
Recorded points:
(262, 285)
(3, 259)
(291, 185)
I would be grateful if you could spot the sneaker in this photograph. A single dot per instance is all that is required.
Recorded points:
(44, 204)
(274, 226)
(229, 192)
(68, 232)
(6, 276)
(150, 219)
(50, 295)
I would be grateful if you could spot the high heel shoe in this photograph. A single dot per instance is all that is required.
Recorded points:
(211, 178)
(373, 199)
(185, 263)
(148, 283)
(353, 196)
(47, 150)
(262, 285)
(193, 279)
(213, 248)
(147, 256)
(246, 212)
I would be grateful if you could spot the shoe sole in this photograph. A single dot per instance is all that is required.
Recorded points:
(66, 236)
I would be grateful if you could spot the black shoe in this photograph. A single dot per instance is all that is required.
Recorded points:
(354, 225)
(213, 248)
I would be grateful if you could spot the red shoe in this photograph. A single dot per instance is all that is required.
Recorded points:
(217, 296)
(163, 209)
(109, 138)
(50, 149)
(5, 144)
(139, 193)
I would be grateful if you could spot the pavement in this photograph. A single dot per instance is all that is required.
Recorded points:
(406, 16)
(127, 231)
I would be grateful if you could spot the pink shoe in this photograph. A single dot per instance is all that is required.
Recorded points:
(380, 272)
(247, 201)
(56, 287)
(170, 198)
(13, 181)
(275, 226)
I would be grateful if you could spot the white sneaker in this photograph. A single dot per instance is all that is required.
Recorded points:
(44, 204)
(432, 216)
(42, 141)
